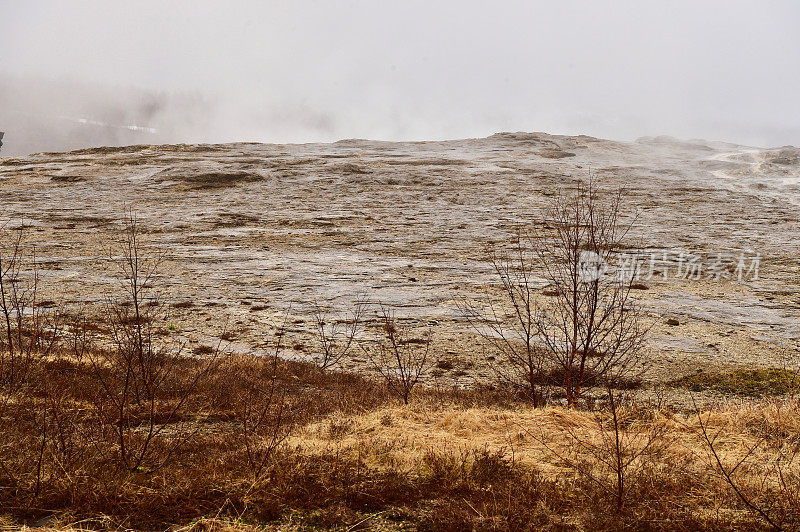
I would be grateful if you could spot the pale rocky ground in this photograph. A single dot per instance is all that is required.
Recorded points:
(249, 231)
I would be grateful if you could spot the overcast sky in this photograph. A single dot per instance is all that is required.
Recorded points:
(305, 70)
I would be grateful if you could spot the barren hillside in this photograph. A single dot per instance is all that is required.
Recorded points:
(251, 230)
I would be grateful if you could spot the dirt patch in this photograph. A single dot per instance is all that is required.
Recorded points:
(232, 219)
(66, 179)
(433, 161)
(350, 168)
(198, 179)
(80, 219)
(13, 162)
(555, 153)
(104, 150)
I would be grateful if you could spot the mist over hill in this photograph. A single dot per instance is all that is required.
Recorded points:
(42, 115)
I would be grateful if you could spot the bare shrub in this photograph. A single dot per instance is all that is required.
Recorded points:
(399, 358)
(145, 386)
(583, 329)
(78, 337)
(764, 475)
(336, 336)
(262, 417)
(620, 452)
(29, 330)
(63, 447)
(511, 328)
(591, 328)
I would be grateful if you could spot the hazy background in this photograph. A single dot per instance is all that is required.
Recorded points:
(79, 73)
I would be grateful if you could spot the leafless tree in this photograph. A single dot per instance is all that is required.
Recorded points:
(590, 327)
(583, 328)
(336, 336)
(263, 417)
(399, 359)
(145, 383)
(511, 328)
(29, 329)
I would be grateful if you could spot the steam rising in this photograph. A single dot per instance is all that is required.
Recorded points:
(86, 73)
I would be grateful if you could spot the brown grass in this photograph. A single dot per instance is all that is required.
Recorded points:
(103, 427)
(450, 460)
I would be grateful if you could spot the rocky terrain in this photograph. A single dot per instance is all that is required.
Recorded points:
(250, 232)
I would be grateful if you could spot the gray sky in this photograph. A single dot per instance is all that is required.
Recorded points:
(305, 70)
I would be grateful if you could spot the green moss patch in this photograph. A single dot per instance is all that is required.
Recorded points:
(758, 382)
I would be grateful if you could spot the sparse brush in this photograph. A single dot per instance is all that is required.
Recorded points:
(764, 475)
(262, 415)
(335, 337)
(400, 360)
(29, 328)
(616, 453)
(584, 329)
(145, 388)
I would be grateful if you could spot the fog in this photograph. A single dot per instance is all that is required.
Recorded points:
(76, 74)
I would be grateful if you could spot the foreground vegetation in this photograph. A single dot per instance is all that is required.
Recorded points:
(110, 426)
(344, 452)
